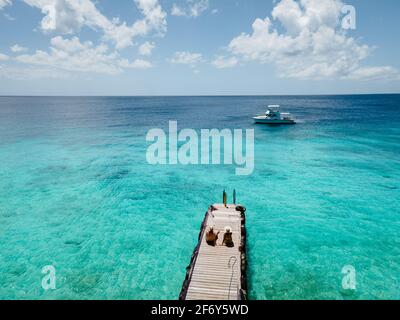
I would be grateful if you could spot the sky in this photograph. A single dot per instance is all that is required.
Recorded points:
(199, 47)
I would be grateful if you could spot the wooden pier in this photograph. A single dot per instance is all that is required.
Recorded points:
(218, 272)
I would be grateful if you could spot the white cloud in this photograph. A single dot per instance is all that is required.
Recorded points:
(187, 58)
(296, 16)
(193, 8)
(31, 73)
(222, 62)
(155, 17)
(198, 7)
(146, 48)
(312, 44)
(69, 16)
(71, 55)
(16, 48)
(4, 3)
(8, 17)
(141, 64)
(177, 11)
(4, 57)
(137, 64)
(374, 73)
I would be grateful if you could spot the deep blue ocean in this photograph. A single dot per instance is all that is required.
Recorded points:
(77, 193)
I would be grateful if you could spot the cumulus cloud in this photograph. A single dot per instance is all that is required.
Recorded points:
(311, 45)
(68, 55)
(187, 58)
(146, 48)
(71, 55)
(222, 62)
(177, 11)
(69, 16)
(4, 3)
(4, 57)
(16, 48)
(374, 73)
(136, 64)
(31, 73)
(192, 8)
(141, 64)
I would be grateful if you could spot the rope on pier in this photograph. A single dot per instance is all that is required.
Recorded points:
(233, 270)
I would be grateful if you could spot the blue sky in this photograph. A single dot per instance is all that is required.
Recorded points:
(198, 47)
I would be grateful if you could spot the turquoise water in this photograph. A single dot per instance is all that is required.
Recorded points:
(77, 193)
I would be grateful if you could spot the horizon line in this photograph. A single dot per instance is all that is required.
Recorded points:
(198, 95)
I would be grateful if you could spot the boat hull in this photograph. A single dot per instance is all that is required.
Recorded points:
(273, 122)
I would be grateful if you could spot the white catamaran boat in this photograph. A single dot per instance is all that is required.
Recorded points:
(274, 116)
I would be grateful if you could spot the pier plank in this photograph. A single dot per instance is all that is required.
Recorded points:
(210, 277)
